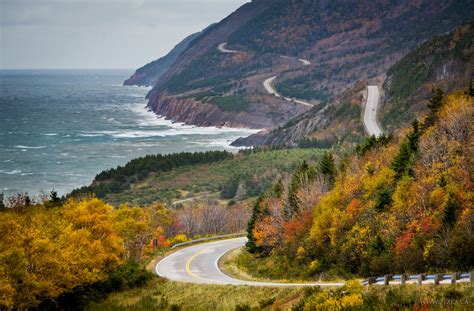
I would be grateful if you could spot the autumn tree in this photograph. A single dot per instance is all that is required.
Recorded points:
(138, 226)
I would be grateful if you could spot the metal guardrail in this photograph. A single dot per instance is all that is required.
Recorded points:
(209, 239)
(419, 278)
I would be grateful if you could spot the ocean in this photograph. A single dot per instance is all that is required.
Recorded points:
(59, 128)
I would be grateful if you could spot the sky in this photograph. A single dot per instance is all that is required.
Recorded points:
(105, 34)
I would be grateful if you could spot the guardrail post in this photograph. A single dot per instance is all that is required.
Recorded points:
(386, 279)
(371, 280)
(420, 279)
(155, 245)
(471, 276)
(403, 279)
(437, 278)
(454, 277)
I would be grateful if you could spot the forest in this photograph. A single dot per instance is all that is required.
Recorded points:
(118, 179)
(399, 204)
(61, 253)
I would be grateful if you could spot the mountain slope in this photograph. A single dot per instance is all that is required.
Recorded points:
(345, 41)
(149, 74)
(445, 61)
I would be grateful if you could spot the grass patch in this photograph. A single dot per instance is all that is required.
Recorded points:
(160, 294)
(243, 265)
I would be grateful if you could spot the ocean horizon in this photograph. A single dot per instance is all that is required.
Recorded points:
(61, 127)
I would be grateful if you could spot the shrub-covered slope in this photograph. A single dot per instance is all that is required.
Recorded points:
(445, 61)
(392, 207)
(345, 41)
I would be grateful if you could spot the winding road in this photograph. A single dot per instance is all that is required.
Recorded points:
(200, 264)
(370, 113)
(267, 84)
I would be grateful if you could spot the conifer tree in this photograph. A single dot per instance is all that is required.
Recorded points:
(327, 167)
(2, 205)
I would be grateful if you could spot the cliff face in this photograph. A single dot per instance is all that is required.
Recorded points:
(149, 74)
(190, 111)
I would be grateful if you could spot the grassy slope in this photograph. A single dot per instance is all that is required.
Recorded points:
(262, 166)
(160, 294)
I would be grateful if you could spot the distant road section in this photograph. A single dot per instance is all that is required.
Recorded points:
(268, 85)
(304, 61)
(222, 48)
(301, 60)
(200, 264)
(370, 113)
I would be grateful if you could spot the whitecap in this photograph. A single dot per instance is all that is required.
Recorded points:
(91, 134)
(29, 147)
(14, 172)
(50, 134)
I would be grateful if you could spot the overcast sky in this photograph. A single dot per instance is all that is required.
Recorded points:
(99, 33)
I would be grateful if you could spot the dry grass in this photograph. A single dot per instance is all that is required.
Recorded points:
(160, 294)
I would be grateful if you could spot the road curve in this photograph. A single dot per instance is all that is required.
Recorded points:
(199, 264)
(222, 48)
(267, 84)
(370, 113)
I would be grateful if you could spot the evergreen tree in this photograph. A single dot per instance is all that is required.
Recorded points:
(435, 103)
(450, 211)
(327, 167)
(54, 199)
(256, 212)
(2, 205)
(403, 161)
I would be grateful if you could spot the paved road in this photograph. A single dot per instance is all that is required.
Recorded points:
(268, 85)
(301, 60)
(370, 114)
(199, 264)
(222, 48)
(194, 198)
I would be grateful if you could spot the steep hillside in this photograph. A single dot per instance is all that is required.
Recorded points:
(149, 74)
(396, 205)
(341, 42)
(444, 62)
